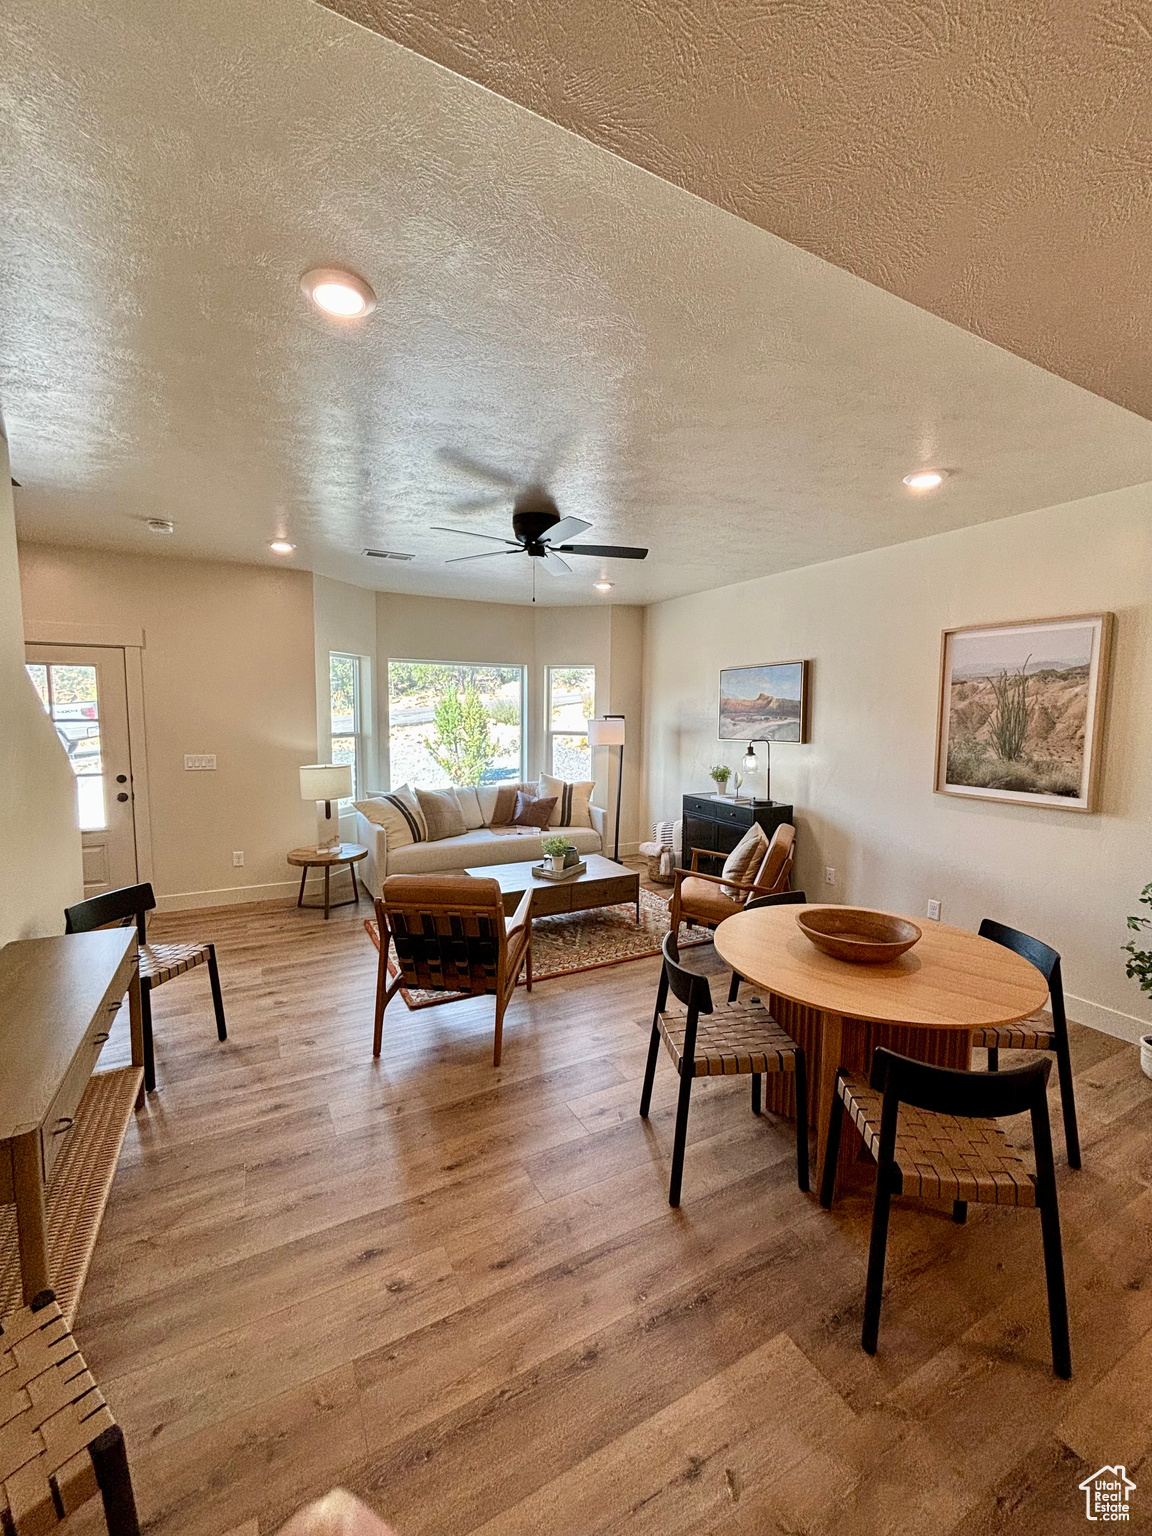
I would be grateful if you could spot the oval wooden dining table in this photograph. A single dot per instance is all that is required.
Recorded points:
(925, 1004)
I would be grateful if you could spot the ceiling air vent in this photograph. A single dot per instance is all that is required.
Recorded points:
(387, 554)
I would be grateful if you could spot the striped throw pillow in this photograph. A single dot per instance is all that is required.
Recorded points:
(398, 812)
(571, 800)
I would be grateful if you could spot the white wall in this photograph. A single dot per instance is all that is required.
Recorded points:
(40, 857)
(863, 785)
(229, 667)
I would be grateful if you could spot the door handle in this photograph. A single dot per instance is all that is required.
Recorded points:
(121, 796)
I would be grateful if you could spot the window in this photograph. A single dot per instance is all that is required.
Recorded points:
(68, 694)
(347, 734)
(451, 723)
(571, 703)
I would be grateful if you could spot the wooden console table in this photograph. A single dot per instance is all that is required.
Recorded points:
(61, 1128)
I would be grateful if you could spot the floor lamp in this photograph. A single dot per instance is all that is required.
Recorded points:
(609, 732)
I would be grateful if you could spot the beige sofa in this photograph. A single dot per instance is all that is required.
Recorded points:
(482, 845)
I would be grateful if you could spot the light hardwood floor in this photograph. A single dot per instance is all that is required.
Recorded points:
(461, 1292)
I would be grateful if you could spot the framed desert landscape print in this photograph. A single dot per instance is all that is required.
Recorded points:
(766, 703)
(1022, 711)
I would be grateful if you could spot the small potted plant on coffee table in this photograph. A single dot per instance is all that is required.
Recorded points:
(555, 849)
(720, 773)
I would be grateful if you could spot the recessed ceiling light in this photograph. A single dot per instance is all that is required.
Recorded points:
(281, 547)
(338, 293)
(924, 479)
(602, 586)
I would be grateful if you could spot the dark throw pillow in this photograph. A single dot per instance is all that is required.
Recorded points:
(531, 811)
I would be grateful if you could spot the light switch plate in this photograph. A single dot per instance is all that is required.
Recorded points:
(202, 761)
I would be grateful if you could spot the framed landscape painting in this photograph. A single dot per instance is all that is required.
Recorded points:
(768, 703)
(1022, 711)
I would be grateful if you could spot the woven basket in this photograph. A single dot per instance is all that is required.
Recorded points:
(660, 862)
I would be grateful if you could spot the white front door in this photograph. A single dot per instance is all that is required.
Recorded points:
(83, 689)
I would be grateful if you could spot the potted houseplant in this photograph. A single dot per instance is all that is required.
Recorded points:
(720, 773)
(555, 849)
(1139, 967)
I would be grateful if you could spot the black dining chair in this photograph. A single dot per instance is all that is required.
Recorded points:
(158, 962)
(932, 1132)
(780, 899)
(741, 1039)
(1036, 1033)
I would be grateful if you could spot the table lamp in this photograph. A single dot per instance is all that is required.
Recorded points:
(325, 782)
(609, 732)
(750, 765)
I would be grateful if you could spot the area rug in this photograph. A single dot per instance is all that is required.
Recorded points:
(575, 941)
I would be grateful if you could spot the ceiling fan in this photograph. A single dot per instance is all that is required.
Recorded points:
(539, 530)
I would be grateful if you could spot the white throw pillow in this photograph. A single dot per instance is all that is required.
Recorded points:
(398, 812)
(744, 860)
(486, 799)
(571, 800)
(470, 809)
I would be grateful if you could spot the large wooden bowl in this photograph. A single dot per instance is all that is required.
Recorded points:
(858, 934)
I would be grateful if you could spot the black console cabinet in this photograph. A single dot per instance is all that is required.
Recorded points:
(718, 825)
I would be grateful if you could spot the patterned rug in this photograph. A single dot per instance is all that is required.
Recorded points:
(575, 941)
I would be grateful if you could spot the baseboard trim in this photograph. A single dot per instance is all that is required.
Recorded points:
(229, 896)
(1110, 1021)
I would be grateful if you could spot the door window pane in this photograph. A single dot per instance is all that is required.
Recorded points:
(38, 672)
(69, 694)
(571, 703)
(452, 723)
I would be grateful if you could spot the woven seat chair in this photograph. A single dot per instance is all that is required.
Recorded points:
(158, 962)
(1036, 1033)
(703, 900)
(450, 934)
(741, 1039)
(59, 1444)
(933, 1132)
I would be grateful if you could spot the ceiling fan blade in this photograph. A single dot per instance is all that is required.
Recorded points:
(554, 565)
(605, 551)
(566, 528)
(481, 471)
(486, 555)
(468, 534)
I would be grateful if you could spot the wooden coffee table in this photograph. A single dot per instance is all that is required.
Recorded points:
(308, 858)
(603, 884)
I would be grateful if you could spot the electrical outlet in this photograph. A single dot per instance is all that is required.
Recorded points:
(934, 911)
(829, 875)
(238, 859)
(202, 761)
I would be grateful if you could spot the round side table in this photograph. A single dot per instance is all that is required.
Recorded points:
(310, 858)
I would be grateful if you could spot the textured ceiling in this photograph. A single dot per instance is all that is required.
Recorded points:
(697, 384)
(989, 160)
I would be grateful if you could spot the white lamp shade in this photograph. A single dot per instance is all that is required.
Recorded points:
(606, 733)
(325, 781)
